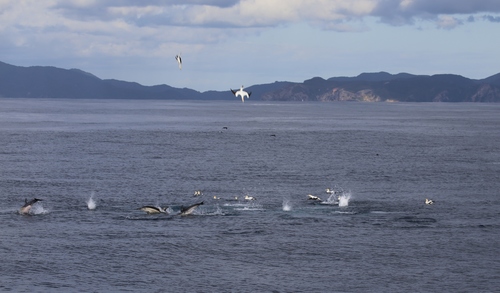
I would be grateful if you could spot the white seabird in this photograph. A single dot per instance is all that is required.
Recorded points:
(247, 197)
(312, 197)
(241, 93)
(179, 60)
(429, 201)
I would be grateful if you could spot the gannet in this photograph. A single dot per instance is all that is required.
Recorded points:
(312, 197)
(330, 191)
(241, 93)
(429, 201)
(179, 60)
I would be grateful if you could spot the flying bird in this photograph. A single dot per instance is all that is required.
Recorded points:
(241, 93)
(179, 60)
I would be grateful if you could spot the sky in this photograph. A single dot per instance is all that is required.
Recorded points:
(228, 43)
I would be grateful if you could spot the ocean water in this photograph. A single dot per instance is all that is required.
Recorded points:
(94, 163)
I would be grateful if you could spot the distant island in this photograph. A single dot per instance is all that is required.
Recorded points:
(52, 82)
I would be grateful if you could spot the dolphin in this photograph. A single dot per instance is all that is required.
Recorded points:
(190, 209)
(153, 210)
(25, 209)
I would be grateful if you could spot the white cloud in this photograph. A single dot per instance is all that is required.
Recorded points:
(448, 22)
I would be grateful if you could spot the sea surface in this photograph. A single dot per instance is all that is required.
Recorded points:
(95, 162)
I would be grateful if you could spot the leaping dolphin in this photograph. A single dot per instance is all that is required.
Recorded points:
(190, 209)
(25, 209)
(153, 210)
(241, 93)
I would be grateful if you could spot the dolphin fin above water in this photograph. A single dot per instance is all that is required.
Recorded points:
(190, 209)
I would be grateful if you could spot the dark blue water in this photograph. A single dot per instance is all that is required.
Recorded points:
(384, 159)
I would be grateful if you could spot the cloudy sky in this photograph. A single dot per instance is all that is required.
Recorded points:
(227, 43)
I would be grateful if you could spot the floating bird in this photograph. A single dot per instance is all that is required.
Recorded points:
(179, 60)
(429, 201)
(25, 209)
(198, 193)
(312, 197)
(247, 197)
(241, 93)
(189, 210)
(153, 210)
(330, 191)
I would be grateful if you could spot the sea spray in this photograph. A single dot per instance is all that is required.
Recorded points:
(91, 205)
(38, 209)
(286, 205)
(344, 199)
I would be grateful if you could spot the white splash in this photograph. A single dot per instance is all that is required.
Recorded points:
(91, 205)
(287, 206)
(331, 199)
(38, 209)
(344, 199)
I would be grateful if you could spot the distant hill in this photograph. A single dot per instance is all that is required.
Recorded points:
(52, 82)
(403, 87)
